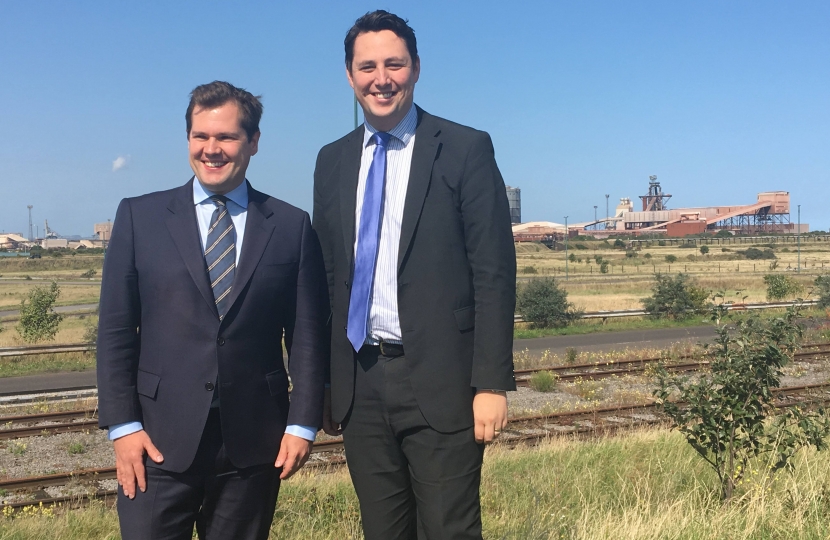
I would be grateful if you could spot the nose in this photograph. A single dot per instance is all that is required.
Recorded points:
(212, 146)
(382, 77)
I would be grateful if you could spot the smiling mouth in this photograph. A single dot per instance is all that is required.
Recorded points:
(383, 95)
(214, 164)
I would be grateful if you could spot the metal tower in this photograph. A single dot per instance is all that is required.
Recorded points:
(30, 222)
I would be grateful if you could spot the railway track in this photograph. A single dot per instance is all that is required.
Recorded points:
(31, 425)
(327, 454)
(602, 370)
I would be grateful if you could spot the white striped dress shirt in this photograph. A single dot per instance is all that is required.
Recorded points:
(383, 309)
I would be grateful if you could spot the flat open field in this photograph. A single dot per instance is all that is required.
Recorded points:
(629, 278)
(65, 267)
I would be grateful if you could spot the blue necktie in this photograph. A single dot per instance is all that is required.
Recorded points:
(368, 236)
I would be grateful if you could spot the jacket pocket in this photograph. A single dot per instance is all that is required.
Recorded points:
(147, 384)
(465, 318)
(277, 382)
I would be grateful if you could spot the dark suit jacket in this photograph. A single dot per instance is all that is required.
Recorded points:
(456, 268)
(160, 340)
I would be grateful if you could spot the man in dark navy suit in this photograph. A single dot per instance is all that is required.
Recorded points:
(201, 283)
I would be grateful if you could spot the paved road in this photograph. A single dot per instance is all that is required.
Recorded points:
(608, 341)
(602, 341)
(59, 309)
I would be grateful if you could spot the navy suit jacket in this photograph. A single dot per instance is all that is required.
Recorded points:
(161, 344)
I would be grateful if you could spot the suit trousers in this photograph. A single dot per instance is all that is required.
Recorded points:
(412, 481)
(221, 500)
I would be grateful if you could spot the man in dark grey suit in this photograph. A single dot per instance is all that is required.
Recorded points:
(200, 285)
(412, 215)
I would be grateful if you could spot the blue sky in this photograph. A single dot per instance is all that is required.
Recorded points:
(721, 100)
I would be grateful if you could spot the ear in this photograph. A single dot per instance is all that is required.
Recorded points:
(349, 77)
(254, 142)
(416, 69)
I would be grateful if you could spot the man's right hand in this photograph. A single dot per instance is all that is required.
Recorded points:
(329, 427)
(129, 460)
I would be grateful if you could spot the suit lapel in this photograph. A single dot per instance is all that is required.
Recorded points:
(181, 222)
(349, 171)
(420, 175)
(258, 231)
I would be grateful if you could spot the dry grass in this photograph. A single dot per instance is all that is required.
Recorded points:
(71, 330)
(11, 294)
(51, 267)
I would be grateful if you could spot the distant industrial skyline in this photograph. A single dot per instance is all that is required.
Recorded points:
(720, 100)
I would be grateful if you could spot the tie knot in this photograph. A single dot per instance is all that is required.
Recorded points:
(219, 200)
(381, 138)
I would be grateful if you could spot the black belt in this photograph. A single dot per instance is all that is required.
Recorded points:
(390, 350)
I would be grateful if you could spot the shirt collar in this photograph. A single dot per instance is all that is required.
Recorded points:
(404, 131)
(239, 194)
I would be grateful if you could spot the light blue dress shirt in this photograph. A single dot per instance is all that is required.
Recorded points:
(238, 208)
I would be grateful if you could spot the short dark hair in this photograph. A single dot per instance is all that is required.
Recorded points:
(218, 93)
(375, 22)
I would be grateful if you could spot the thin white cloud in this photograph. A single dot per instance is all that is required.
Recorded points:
(119, 163)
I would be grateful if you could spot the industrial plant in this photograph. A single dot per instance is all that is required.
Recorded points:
(769, 214)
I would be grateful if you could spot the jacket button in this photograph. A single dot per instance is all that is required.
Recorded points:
(220, 341)
(209, 387)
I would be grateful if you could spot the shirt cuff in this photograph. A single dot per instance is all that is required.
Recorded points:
(304, 432)
(120, 430)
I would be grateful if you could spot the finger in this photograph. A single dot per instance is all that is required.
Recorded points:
(153, 452)
(289, 468)
(479, 433)
(140, 476)
(489, 433)
(128, 483)
(282, 456)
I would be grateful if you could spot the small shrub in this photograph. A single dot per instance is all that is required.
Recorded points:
(691, 257)
(730, 416)
(661, 242)
(27, 277)
(543, 381)
(17, 448)
(572, 257)
(89, 273)
(603, 267)
(822, 284)
(630, 254)
(647, 256)
(619, 243)
(91, 332)
(544, 304)
(675, 297)
(780, 286)
(773, 265)
(725, 250)
(37, 320)
(580, 246)
(529, 270)
(76, 448)
(704, 250)
(755, 254)
(597, 259)
(671, 259)
(571, 355)
(723, 233)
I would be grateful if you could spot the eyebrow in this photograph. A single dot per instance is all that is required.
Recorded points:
(218, 135)
(397, 59)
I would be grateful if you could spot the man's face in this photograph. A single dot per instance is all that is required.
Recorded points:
(219, 148)
(383, 77)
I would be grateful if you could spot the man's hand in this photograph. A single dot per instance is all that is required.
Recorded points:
(490, 414)
(129, 460)
(294, 452)
(329, 427)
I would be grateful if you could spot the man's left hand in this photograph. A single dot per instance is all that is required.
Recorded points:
(490, 414)
(294, 452)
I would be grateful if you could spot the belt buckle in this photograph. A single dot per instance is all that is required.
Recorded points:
(384, 352)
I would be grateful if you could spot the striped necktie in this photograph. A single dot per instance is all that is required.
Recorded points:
(368, 235)
(220, 254)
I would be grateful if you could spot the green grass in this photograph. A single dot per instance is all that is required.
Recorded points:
(648, 485)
